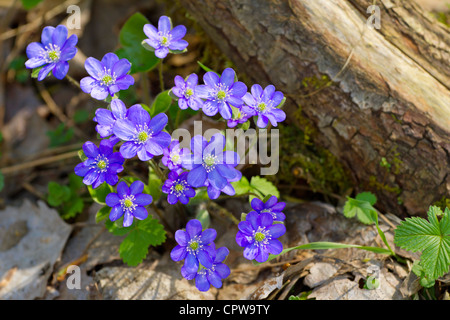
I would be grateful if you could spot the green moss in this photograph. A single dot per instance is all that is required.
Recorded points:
(316, 82)
(301, 159)
(443, 203)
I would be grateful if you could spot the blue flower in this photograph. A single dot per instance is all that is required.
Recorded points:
(240, 116)
(194, 246)
(107, 77)
(128, 202)
(271, 206)
(258, 235)
(209, 164)
(143, 135)
(107, 118)
(205, 277)
(177, 188)
(52, 53)
(265, 105)
(185, 91)
(102, 164)
(221, 92)
(165, 39)
(173, 155)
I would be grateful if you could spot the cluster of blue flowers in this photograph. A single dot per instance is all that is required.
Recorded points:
(207, 164)
(224, 95)
(202, 261)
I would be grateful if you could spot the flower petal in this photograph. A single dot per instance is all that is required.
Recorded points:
(197, 177)
(94, 67)
(140, 213)
(121, 67)
(164, 24)
(60, 35)
(109, 60)
(60, 69)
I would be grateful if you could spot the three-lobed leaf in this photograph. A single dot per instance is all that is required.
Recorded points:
(362, 207)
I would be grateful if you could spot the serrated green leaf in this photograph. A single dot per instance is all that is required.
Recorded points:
(431, 237)
(130, 39)
(134, 247)
(72, 207)
(262, 187)
(57, 193)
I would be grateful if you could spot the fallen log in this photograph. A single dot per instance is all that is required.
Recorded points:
(387, 98)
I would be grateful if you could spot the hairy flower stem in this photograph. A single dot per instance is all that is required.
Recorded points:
(73, 81)
(161, 78)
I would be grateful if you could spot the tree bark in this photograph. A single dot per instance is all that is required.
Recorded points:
(389, 96)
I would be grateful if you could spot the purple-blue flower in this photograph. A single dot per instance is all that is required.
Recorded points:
(52, 53)
(107, 77)
(209, 164)
(107, 118)
(173, 155)
(128, 202)
(220, 93)
(258, 235)
(185, 92)
(271, 206)
(177, 188)
(194, 246)
(205, 277)
(240, 116)
(102, 164)
(265, 105)
(142, 134)
(165, 39)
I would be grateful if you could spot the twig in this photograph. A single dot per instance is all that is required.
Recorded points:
(38, 162)
(36, 23)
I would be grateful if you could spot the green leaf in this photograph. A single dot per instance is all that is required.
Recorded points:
(262, 187)
(117, 228)
(161, 104)
(364, 211)
(205, 68)
(102, 214)
(323, 245)
(99, 194)
(72, 207)
(30, 4)
(242, 186)
(418, 270)
(204, 218)
(57, 194)
(60, 135)
(431, 237)
(367, 196)
(130, 38)
(134, 247)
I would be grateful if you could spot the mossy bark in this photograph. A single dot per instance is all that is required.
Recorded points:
(385, 112)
